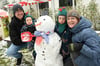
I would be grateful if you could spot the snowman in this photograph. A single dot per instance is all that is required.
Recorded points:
(47, 44)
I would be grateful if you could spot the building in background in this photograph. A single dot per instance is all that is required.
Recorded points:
(3, 3)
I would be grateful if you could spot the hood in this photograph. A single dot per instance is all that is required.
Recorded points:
(16, 7)
(33, 20)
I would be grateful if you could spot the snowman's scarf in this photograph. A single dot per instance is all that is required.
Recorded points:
(41, 35)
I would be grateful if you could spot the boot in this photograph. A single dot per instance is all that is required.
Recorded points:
(34, 55)
(19, 60)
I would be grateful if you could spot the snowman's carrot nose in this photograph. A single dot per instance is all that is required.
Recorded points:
(38, 24)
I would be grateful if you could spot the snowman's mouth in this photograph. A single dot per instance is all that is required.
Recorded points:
(38, 24)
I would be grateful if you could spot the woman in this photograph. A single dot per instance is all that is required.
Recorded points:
(85, 40)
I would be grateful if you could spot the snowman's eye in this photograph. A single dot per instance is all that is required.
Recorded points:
(44, 19)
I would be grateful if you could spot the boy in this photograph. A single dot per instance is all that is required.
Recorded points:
(63, 31)
(30, 27)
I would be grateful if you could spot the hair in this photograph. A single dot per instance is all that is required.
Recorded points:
(17, 7)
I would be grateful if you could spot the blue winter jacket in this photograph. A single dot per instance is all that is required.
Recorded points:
(90, 52)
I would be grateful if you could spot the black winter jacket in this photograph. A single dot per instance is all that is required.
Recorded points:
(66, 40)
(15, 30)
(31, 29)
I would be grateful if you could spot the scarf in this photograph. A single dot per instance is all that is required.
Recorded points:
(61, 27)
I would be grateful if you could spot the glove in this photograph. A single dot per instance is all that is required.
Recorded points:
(75, 47)
(30, 46)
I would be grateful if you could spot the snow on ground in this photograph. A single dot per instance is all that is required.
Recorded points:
(28, 60)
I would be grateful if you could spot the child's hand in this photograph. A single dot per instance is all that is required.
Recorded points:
(30, 46)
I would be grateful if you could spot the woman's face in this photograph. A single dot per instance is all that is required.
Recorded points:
(19, 14)
(28, 20)
(72, 21)
(61, 19)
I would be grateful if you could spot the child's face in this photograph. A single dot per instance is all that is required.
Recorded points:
(61, 19)
(72, 21)
(28, 20)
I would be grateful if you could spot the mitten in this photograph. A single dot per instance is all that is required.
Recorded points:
(78, 46)
(74, 47)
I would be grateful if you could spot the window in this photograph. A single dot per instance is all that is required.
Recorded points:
(44, 8)
(43, 5)
(66, 2)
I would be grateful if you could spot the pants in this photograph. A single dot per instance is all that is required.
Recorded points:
(74, 55)
(68, 62)
(13, 50)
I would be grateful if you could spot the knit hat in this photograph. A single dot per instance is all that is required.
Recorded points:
(62, 11)
(16, 7)
(73, 13)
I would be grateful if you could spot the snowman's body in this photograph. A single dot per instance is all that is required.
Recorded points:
(48, 54)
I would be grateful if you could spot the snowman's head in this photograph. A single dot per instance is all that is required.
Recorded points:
(45, 24)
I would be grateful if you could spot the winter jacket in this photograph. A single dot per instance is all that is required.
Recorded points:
(66, 39)
(15, 30)
(31, 29)
(90, 52)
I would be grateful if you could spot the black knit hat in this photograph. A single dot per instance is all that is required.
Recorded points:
(16, 7)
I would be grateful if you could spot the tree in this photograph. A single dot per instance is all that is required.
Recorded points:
(93, 12)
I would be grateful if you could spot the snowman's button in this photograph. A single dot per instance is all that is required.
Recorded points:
(43, 51)
(43, 54)
(44, 19)
(44, 58)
